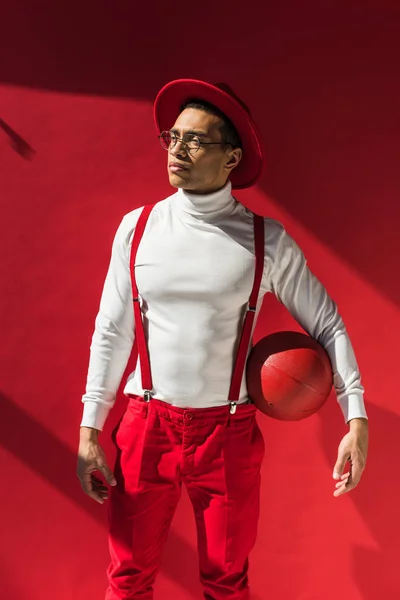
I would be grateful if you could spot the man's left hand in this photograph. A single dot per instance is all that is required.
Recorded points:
(353, 449)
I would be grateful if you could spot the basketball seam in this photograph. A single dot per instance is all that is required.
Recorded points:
(296, 380)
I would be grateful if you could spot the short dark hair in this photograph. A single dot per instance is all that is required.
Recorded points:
(230, 136)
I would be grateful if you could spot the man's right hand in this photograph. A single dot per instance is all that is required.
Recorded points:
(91, 458)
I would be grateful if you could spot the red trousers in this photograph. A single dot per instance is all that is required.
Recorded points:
(218, 456)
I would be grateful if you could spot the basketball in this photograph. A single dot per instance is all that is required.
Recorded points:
(289, 375)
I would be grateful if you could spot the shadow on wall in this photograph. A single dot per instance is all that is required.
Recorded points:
(52, 460)
(17, 143)
(376, 500)
(322, 82)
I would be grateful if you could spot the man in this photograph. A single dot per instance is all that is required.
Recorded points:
(180, 278)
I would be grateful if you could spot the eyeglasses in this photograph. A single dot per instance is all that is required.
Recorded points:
(190, 141)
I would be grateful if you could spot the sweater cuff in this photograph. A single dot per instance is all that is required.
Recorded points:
(353, 407)
(94, 414)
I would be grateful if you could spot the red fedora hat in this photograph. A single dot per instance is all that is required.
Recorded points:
(172, 96)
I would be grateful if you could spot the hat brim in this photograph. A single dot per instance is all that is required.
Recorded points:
(167, 108)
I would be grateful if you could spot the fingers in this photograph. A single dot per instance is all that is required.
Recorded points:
(356, 471)
(99, 488)
(108, 474)
(91, 487)
(350, 480)
(91, 458)
(344, 485)
(340, 464)
(94, 487)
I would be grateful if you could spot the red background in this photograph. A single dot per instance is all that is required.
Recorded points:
(78, 150)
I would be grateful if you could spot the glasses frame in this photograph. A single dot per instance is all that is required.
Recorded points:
(184, 143)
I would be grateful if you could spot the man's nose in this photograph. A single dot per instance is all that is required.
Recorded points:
(179, 150)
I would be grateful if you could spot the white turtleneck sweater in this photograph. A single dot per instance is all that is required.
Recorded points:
(195, 271)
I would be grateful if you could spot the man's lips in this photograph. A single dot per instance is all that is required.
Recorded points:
(177, 167)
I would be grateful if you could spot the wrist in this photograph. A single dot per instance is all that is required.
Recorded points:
(358, 423)
(89, 433)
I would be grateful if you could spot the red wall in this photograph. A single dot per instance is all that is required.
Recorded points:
(78, 150)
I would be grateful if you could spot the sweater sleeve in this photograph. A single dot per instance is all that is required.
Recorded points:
(113, 335)
(299, 290)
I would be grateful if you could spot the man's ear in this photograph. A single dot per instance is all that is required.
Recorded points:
(234, 158)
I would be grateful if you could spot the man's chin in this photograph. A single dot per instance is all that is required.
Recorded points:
(176, 180)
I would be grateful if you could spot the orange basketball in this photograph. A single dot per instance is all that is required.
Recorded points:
(289, 376)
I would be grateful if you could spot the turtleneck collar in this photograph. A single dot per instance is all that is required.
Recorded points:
(210, 207)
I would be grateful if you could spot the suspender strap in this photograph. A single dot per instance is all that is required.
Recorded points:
(140, 339)
(140, 346)
(234, 392)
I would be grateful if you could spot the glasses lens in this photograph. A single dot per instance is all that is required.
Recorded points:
(166, 140)
(192, 142)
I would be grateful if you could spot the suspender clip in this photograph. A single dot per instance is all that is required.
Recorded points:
(233, 408)
(147, 395)
(251, 309)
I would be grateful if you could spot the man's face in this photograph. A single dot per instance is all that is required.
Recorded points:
(208, 169)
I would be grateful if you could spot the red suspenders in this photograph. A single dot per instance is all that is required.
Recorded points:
(140, 339)
(244, 343)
